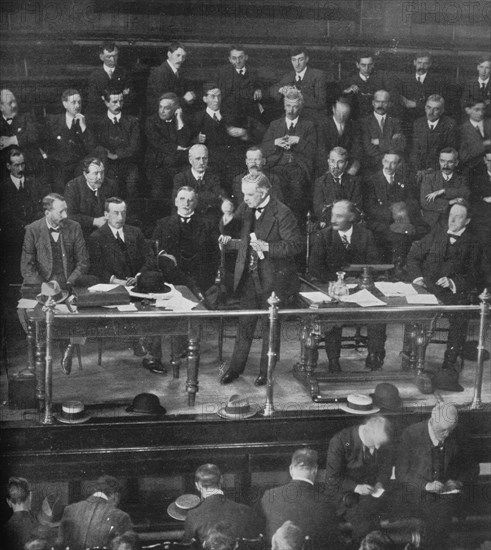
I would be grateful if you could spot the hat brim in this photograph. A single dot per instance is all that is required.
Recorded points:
(80, 420)
(344, 407)
(42, 299)
(388, 406)
(238, 416)
(161, 411)
(177, 513)
(164, 290)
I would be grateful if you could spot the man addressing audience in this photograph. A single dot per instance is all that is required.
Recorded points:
(302, 502)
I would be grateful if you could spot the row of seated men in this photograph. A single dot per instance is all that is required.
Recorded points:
(430, 483)
(85, 233)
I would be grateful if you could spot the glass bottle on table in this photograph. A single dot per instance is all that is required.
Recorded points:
(339, 288)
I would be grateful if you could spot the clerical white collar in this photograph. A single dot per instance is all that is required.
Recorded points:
(197, 175)
(174, 69)
(299, 478)
(213, 113)
(112, 116)
(347, 233)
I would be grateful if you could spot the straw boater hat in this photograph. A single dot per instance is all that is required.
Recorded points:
(357, 403)
(52, 290)
(73, 412)
(238, 408)
(180, 507)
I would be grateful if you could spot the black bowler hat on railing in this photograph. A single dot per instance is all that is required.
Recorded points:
(146, 403)
(386, 396)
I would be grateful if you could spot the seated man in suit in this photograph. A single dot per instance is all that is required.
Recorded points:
(417, 87)
(393, 213)
(361, 86)
(168, 139)
(22, 525)
(68, 140)
(481, 214)
(18, 130)
(440, 189)
(475, 139)
(216, 509)
(221, 132)
(339, 131)
(302, 502)
(432, 133)
(204, 182)
(117, 138)
(479, 89)
(269, 242)
(118, 254)
(448, 263)
(341, 244)
(432, 468)
(168, 77)
(240, 86)
(359, 464)
(311, 82)
(191, 241)
(290, 145)
(86, 194)
(109, 75)
(256, 162)
(380, 133)
(20, 204)
(335, 185)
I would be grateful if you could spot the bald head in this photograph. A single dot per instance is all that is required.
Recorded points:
(343, 214)
(8, 103)
(444, 419)
(381, 101)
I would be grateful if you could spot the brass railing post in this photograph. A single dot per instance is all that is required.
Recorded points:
(49, 307)
(485, 298)
(273, 301)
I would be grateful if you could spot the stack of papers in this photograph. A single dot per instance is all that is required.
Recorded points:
(316, 297)
(396, 289)
(102, 287)
(422, 299)
(176, 303)
(24, 303)
(363, 298)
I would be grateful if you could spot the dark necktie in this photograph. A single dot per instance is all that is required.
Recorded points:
(21, 184)
(432, 127)
(291, 129)
(419, 79)
(382, 124)
(241, 72)
(483, 88)
(76, 125)
(177, 74)
(344, 240)
(215, 118)
(338, 180)
(481, 134)
(115, 121)
(53, 230)
(258, 212)
(119, 239)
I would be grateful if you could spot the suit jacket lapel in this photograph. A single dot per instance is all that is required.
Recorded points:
(267, 220)
(45, 242)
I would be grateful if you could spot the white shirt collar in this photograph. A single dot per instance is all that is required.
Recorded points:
(483, 81)
(93, 190)
(6, 119)
(243, 69)
(108, 70)
(290, 122)
(50, 226)
(174, 69)
(363, 77)
(116, 231)
(339, 125)
(299, 478)
(213, 113)
(301, 74)
(479, 124)
(111, 117)
(69, 119)
(211, 492)
(100, 494)
(265, 202)
(17, 181)
(434, 123)
(379, 117)
(388, 176)
(421, 77)
(347, 234)
(433, 438)
(459, 233)
(446, 177)
(196, 175)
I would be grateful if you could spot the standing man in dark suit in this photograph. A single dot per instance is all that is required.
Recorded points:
(432, 467)
(479, 89)
(341, 244)
(311, 82)
(118, 142)
(440, 189)
(302, 502)
(54, 247)
(204, 182)
(339, 131)
(168, 139)
(18, 130)
(215, 509)
(393, 213)
(335, 185)
(432, 133)
(108, 76)
(240, 86)
(481, 214)
(359, 465)
(190, 239)
(475, 139)
(85, 195)
(290, 146)
(167, 77)
(20, 204)
(68, 140)
(448, 263)
(269, 241)
(360, 87)
(380, 133)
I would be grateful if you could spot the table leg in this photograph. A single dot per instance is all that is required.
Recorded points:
(40, 365)
(175, 355)
(193, 363)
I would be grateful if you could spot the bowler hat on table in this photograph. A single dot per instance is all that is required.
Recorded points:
(151, 282)
(386, 396)
(146, 403)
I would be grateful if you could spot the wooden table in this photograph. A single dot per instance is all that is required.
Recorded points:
(100, 323)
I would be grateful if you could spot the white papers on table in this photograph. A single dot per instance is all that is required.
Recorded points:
(450, 492)
(102, 287)
(421, 299)
(124, 307)
(316, 297)
(378, 493)
(363, 298)
(24, 303)
(62, 308)
(396, 289)
(176, 303)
